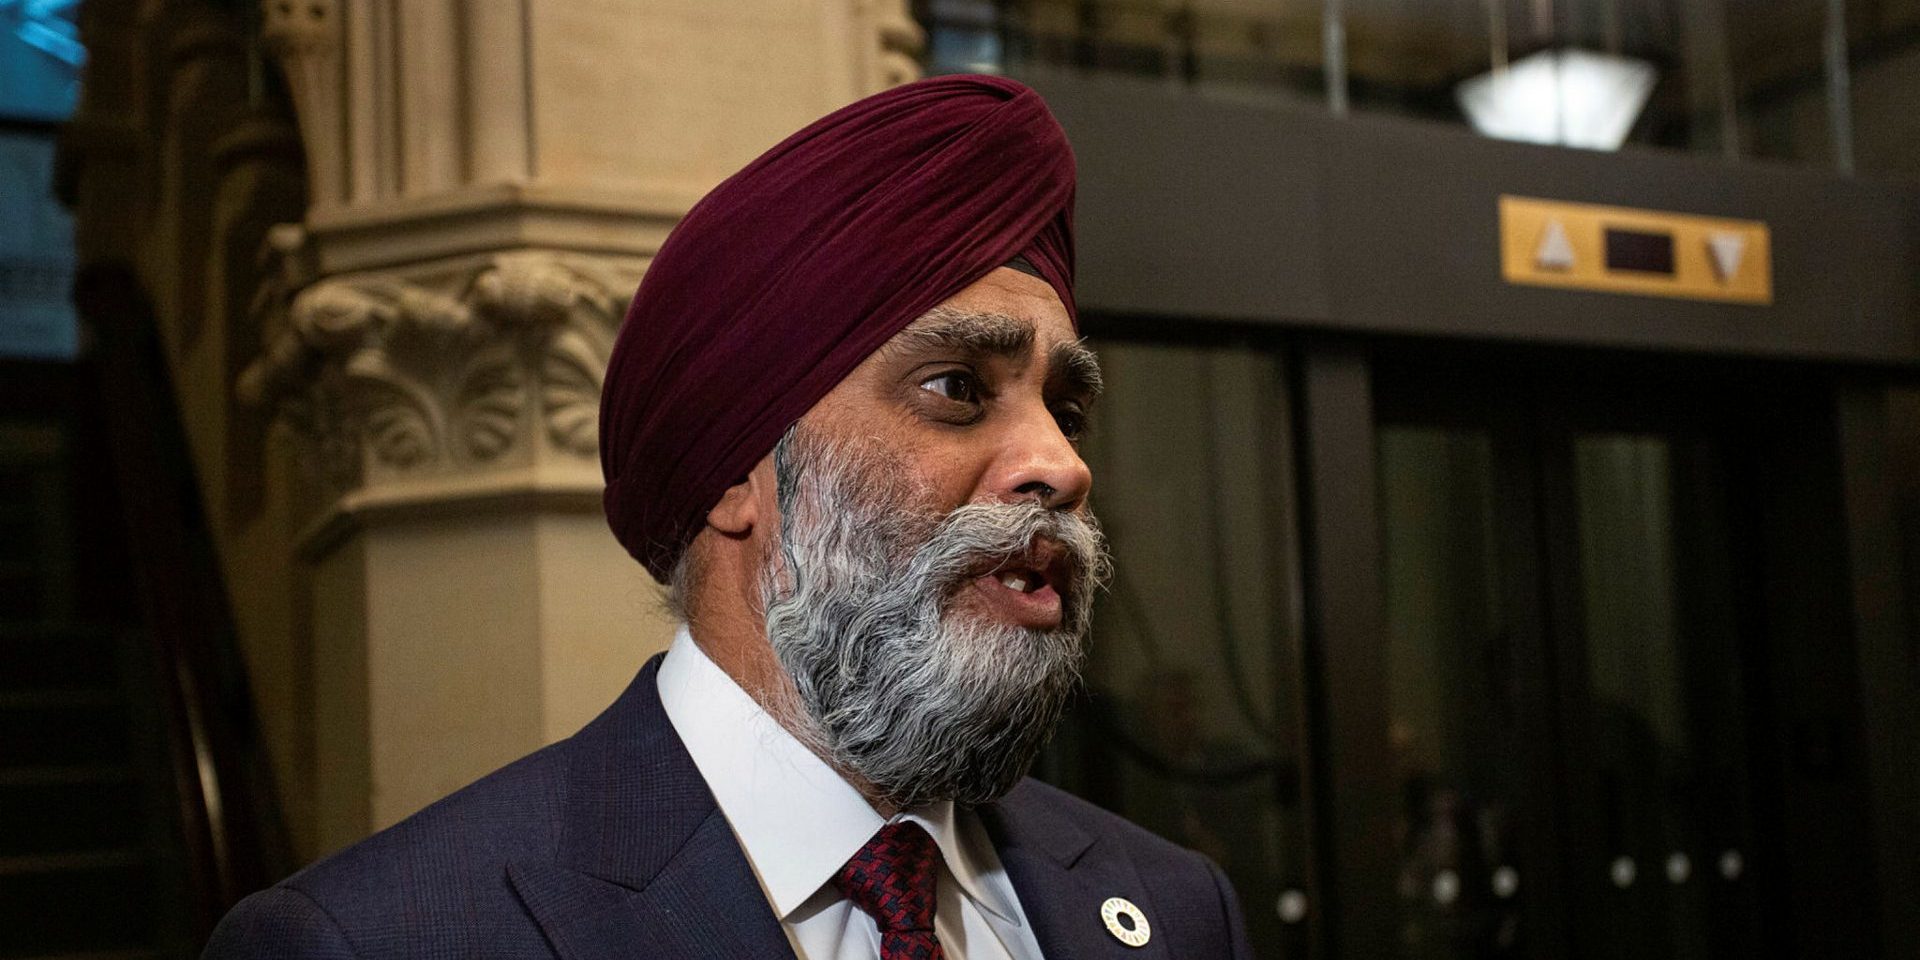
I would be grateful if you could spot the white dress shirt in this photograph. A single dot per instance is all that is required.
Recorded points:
(799, 822)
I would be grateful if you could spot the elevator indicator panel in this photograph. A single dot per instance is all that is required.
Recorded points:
(1552, 243)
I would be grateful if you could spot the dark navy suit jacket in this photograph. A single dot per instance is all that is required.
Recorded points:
(608, 844)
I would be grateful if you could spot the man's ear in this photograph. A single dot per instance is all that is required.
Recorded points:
(747, 503)
(737, 511)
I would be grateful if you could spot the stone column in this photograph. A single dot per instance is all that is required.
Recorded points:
(469, 604)
(489, 179)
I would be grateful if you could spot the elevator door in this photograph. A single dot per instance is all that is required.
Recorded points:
(1568, 629)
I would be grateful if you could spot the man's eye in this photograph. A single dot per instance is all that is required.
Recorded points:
(956, 385)
(1072, 421)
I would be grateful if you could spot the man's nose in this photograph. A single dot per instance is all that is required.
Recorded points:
(1038, 461)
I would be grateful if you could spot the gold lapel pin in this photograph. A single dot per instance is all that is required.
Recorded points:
(1125, 921)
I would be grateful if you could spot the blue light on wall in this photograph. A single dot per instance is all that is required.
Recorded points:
(963, 36)
(36, 253)
(40, 59)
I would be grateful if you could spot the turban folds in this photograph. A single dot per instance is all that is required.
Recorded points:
(784, 278)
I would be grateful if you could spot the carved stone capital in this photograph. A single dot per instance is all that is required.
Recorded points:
(491, 365)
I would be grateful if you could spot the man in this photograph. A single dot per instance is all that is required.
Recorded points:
(840, 423)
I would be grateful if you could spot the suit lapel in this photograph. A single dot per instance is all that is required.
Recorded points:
(1062, 874)
(704, 905)
(646, 864)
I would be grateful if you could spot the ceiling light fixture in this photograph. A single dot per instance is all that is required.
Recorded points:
(1570, 97)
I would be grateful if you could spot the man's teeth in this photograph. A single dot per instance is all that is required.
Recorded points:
(1017, 582)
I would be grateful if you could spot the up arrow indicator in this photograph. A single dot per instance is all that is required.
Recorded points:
(1555, 251)
(1727, 249)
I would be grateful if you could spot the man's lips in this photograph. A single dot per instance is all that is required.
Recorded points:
(1027, 605)
(1027, 589)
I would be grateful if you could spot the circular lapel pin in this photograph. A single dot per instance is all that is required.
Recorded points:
(1125, 921)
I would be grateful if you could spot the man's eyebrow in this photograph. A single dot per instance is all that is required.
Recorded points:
(1074, 364)
(1071, 364)
(982, 333)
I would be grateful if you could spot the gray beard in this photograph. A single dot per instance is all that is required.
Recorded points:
(919, 701)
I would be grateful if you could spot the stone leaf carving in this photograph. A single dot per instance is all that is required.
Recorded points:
(491, 401)
(448, 370)
(567, 311)
(570, 375)
(398, 413)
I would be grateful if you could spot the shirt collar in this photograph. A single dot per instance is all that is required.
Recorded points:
(967, 852)
(795, 817)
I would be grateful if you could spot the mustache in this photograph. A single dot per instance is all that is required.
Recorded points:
(983, 537)
(915, 544)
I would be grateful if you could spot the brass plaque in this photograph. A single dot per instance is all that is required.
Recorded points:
(1549, 243)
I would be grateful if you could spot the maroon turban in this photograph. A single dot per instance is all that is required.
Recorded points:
(779, 282)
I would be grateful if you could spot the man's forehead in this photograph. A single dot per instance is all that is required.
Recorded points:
(1004, 311)
(1010, 292)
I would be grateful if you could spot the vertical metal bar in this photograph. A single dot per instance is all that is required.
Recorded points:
(1839, 88)
(1712, 99)
(1729, 94)
(1086, 23)
(256, 57)
(1333, 38)
(1350, 775)
(1497, 38)
(1546, 30)
(1889, 687)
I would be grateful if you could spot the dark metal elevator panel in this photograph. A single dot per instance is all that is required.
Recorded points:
(1206, 209)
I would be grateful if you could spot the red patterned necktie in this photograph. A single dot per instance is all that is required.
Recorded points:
(892, 879)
